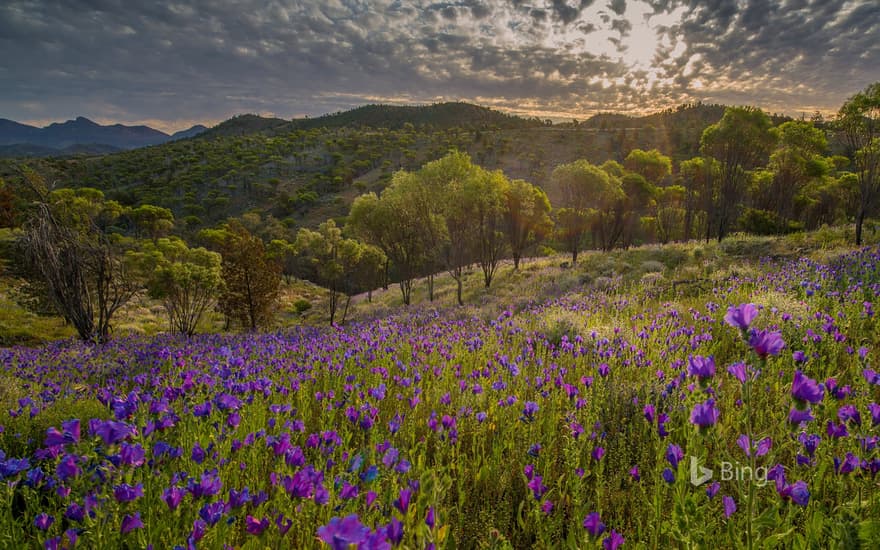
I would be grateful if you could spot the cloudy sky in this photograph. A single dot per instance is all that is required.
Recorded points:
(171, 64)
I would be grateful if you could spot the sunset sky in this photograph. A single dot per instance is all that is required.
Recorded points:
(171, 65)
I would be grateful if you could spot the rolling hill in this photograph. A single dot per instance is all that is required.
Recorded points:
(301, 172)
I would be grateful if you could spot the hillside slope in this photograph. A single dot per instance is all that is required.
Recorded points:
(304, 171)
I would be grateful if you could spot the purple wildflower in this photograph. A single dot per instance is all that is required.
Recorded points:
(130, 523)
(701, 367)
(529, 411)
(211, 513)
(805, 390)
(766, 343)
(43, 521)
(704, 414)
(729, 506)
(593, 524)
(613, 541)
(741, 316)
(128, 493)
(713, 489)
(339, 534)
(674, 454)
(255, 526)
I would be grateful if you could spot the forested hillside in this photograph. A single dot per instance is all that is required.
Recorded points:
(303, 171)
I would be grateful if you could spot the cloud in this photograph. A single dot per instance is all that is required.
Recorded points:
(210, 59)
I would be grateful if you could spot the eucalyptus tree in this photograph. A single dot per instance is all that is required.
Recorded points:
(741, 141)
(858, 123)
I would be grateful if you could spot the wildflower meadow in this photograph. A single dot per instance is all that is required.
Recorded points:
(746, 415)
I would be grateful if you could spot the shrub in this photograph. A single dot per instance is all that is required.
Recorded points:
(765, 222)
(559, 327)
(302, 305)
(652, 266)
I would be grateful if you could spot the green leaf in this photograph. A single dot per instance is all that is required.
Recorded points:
(775, 539)
(869, 531)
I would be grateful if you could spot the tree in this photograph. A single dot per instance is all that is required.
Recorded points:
(343, 266)
(251, 279)
(453, 183)
(795, 162)
(740, 141)
(621, 222)
(526, 217)
(489, 223)
(153, 221)
(8, 210)
(571, 224)
(369, 273)
(652, 165)
(700, 177)
(858, 123)
(397, 225)
(186, 280)
(670, 212)
(588, 195)
(83, 267)
(283, 252)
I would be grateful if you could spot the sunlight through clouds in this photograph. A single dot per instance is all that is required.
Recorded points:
(570, 57)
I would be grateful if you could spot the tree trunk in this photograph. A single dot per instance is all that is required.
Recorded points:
(860, 220)
(345, 309)
(431, 287)
(688, 221)
(333, 300)
(406, 291)
(458, 291)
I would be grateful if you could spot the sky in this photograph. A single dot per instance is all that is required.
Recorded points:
(174, 64)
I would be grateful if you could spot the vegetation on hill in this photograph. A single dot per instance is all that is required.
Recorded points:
(305, 171)
(441, 215)
(437, 116)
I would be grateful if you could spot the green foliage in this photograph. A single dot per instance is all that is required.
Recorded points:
(186, 280)
(71, 248)
(22, 434)
(652, 165)
(302, 305)
(589, 197)
(251, 279)
(401, 225)
(740, 141)
(765, 222)
(152, 221)
(526, 216)
(343, 266)
(859, 123)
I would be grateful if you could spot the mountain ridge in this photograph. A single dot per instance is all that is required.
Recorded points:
(83, 132)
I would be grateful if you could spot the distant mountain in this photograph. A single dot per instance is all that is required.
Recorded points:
(438, 115)
(12, 132)
(80, 135)
(189, 132)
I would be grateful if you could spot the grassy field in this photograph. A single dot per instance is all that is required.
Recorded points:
(566, 407)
